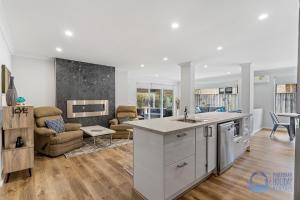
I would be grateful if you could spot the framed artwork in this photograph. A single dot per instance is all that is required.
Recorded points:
(5, 76)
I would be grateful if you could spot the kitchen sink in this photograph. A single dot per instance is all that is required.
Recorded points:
(192, 121)
(187, 120)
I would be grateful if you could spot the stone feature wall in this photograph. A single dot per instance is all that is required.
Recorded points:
(84, 81)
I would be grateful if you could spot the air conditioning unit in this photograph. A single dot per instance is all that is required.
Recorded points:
(262, 79)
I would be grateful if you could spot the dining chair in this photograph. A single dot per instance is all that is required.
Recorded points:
(277, 124)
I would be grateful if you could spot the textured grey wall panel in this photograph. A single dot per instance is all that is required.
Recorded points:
(84, 81)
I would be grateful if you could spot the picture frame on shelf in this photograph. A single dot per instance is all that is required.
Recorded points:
(5, 76)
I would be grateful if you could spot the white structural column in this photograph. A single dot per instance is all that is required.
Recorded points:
(187, 83)
(121, 87)
(297, 145)
(246, 88)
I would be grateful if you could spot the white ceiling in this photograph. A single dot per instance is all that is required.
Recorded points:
(128, 33)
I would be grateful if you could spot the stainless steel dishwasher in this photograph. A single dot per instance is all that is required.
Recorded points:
(226, 154)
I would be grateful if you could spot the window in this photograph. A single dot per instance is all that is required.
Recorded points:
(285, 98)
(155, 102)
(212, 99)
(142, 99)
(168, 102)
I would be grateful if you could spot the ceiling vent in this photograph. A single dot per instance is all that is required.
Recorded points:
(262, 79)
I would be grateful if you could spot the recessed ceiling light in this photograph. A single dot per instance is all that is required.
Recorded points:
(165, 59)
(205, 66)
(58, 49)
(156, 75)
(68, 33)
(175, 25)
(263, 16)
(228, 72)
(219, 48)
(142, 65)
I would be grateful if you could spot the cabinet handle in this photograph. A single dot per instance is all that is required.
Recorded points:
(181, 135)
(182, 165)
(210, 131)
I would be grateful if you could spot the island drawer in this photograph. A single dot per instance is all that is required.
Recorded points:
(179, 146)
(179, 175)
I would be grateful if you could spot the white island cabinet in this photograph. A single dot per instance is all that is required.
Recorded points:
(170, 157)
(163, 165)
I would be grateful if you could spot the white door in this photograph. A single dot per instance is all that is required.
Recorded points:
(200, 152)
(211, 148)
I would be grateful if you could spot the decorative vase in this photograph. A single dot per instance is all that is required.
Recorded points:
(11, 94)
(19, 142)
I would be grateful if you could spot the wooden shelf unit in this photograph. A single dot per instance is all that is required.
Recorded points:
(18, 121)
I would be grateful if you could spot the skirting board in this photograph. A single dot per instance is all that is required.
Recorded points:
(279, 129)
(256, 131)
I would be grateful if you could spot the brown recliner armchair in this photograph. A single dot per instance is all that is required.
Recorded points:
(46, 140)
(126, 113)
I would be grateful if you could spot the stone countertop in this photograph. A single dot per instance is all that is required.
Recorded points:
(170, 124)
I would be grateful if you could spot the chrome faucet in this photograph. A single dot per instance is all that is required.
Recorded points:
(185, 113)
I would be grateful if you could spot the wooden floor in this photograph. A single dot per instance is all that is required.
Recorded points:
(102, 175)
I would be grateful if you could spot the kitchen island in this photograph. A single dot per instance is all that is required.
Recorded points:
(171, 155)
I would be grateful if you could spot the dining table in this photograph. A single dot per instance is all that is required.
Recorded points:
(293, 117)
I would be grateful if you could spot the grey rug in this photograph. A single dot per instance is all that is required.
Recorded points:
(101, 144)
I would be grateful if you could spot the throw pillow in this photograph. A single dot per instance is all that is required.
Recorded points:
(57, 125)
(123, 119)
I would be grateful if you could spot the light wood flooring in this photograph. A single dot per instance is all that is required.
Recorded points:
(101, 175)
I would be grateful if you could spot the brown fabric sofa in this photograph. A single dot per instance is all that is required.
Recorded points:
(46, 141)
(129, 112)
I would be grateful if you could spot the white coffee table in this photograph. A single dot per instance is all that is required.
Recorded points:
(97, 130)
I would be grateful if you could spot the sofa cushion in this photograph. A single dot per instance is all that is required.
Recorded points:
(126, 109)
(66, 137)
(126, 114)
(72, 126)
(120, 127)
(123, 119)
(57, 125)
(40, 122)
(46, 111)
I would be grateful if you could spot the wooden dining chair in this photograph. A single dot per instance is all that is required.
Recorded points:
(277, 124)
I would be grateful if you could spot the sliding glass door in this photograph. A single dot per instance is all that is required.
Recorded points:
(168, 103)
(155, 101)
(142, 97)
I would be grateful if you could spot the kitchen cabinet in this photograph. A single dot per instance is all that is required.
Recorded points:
(246, 133)
(206, 150)
(172, 156)
(243, 141)
(201, 157)
(211, 148)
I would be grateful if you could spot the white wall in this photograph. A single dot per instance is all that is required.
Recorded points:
(258, 114)
(216, 82)
(264, 92)
(5, 55)
(35, 80)
(121, 83)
